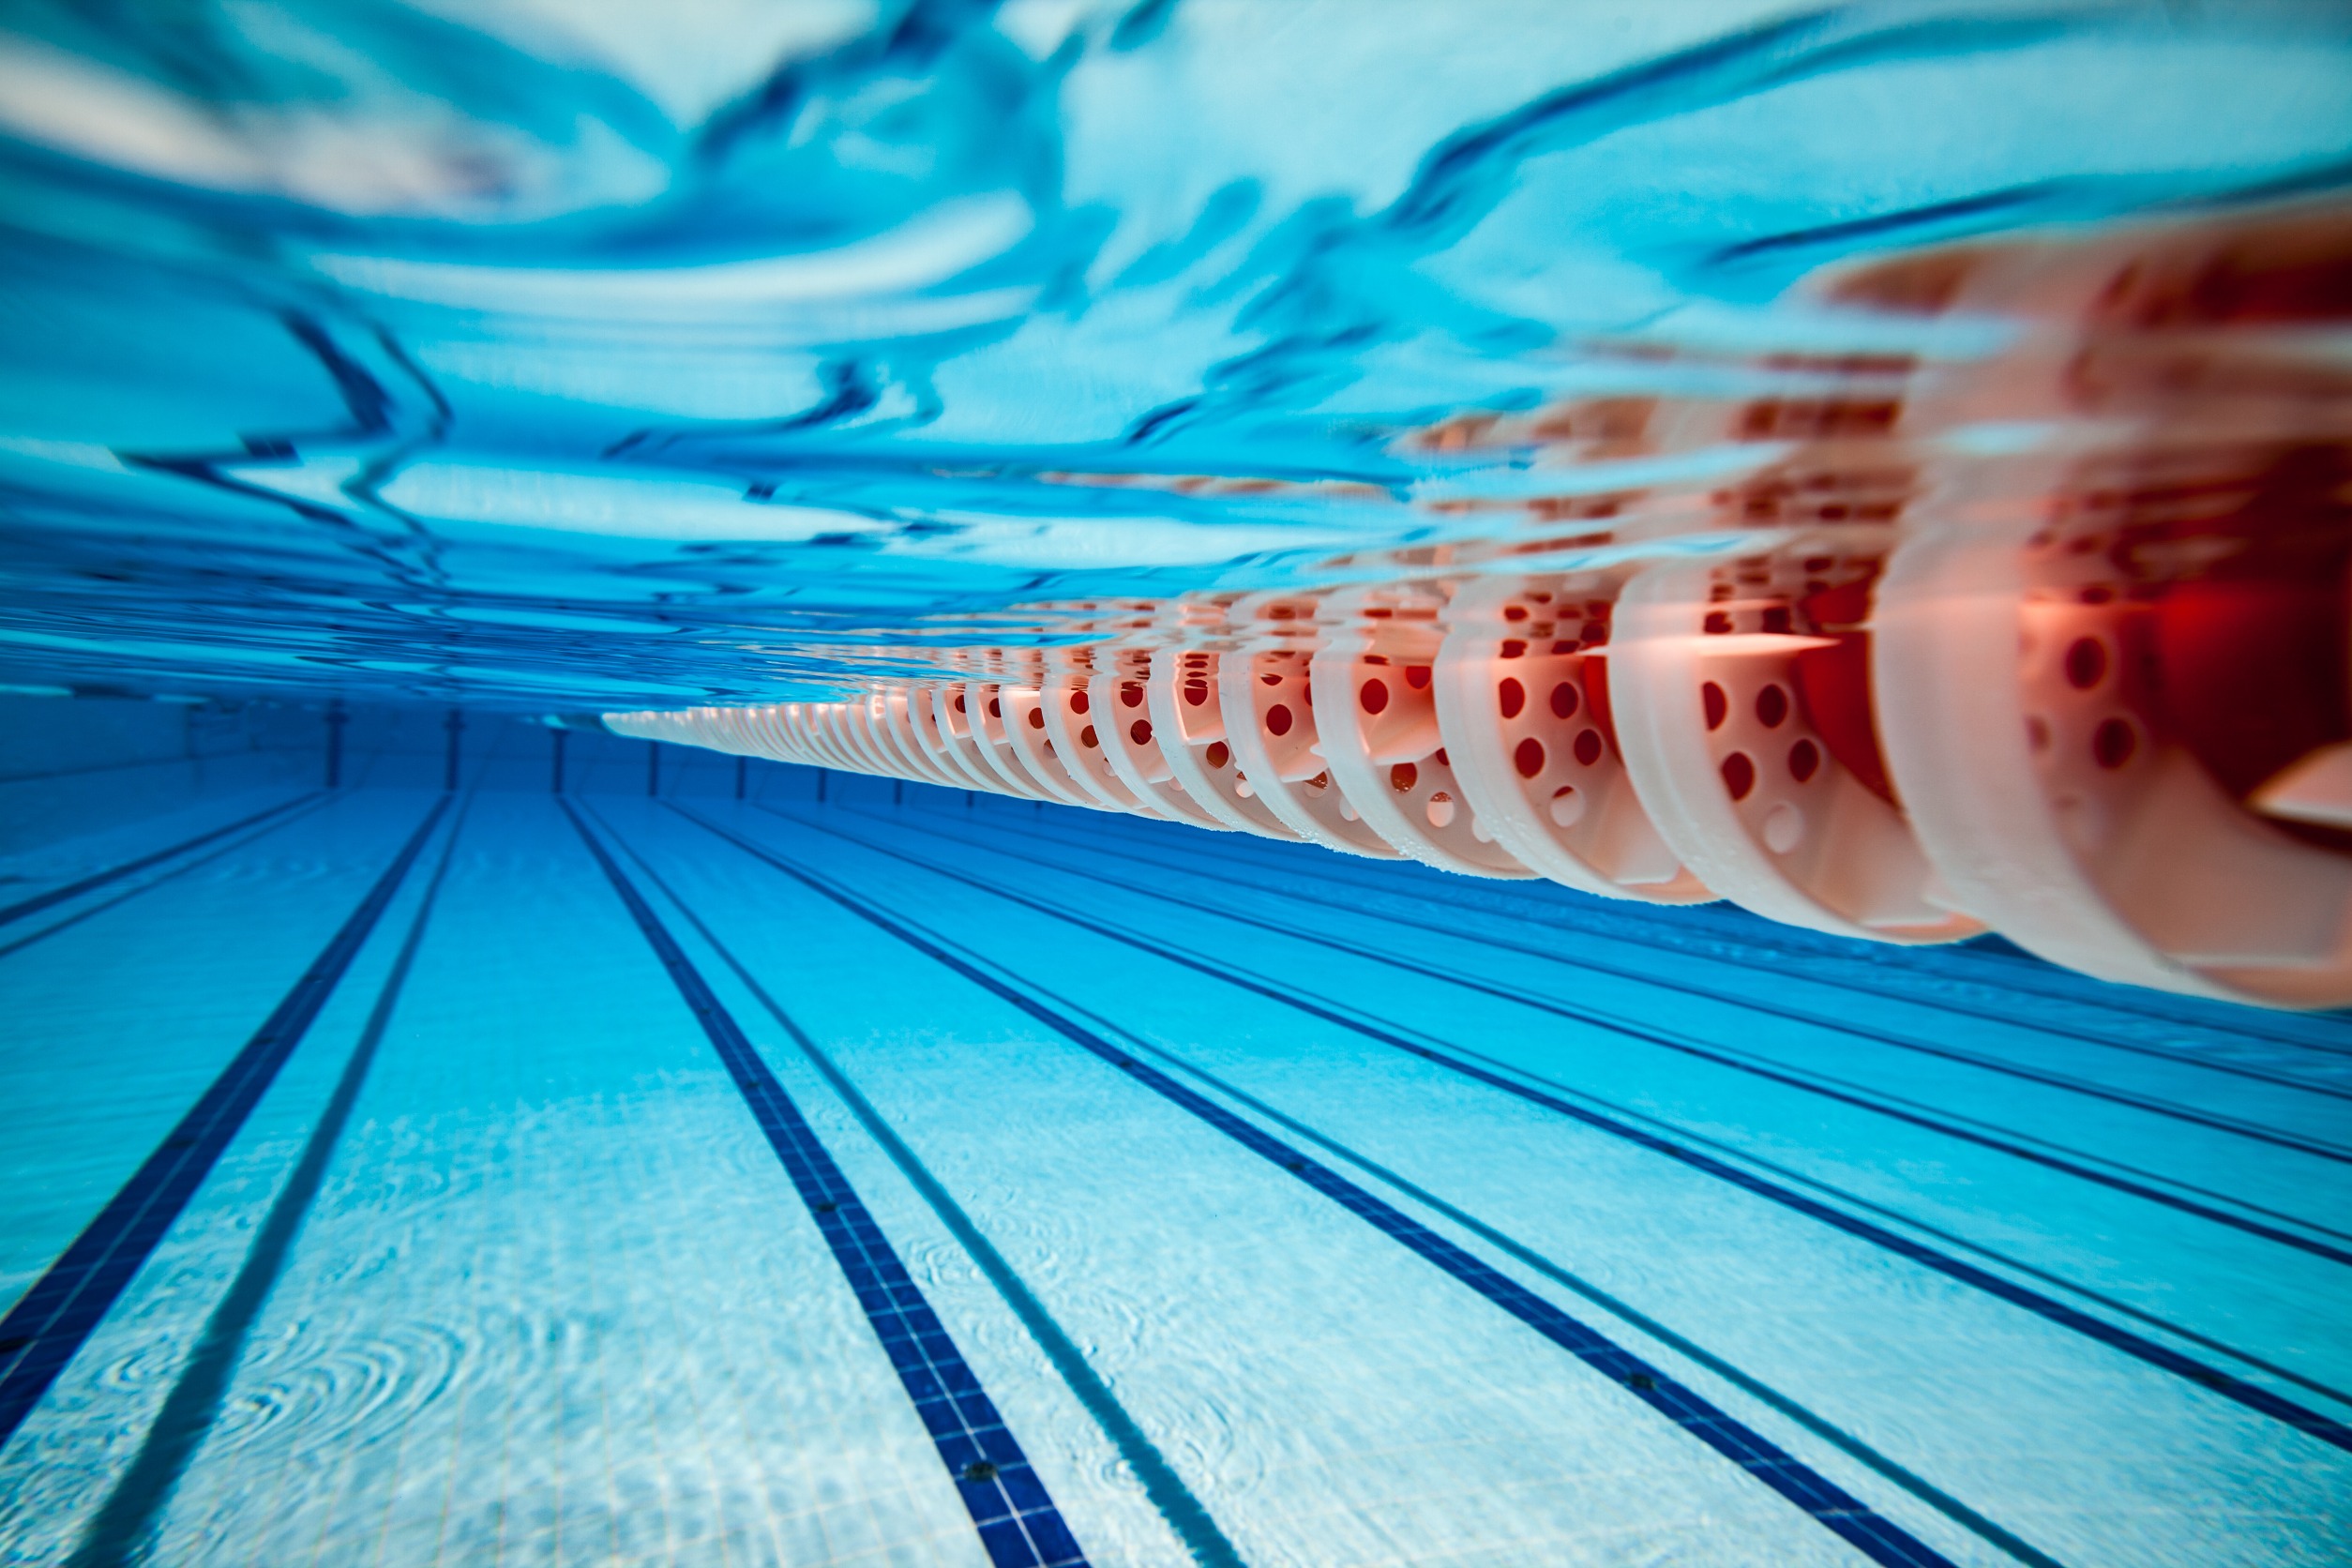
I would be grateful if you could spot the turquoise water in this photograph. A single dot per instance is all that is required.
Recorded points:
(563, 1149)
(500, 1268)
(605, 357)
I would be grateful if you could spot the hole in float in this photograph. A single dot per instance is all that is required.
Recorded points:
(1511, 696)
(1566, 700)
(1087, 736)
(1738, 775)
(1417, 675)
(1219, 754)
(1567, 805)
(1784, 829)
(1140, 732)
(1771, 707)
(1403, 777)
(2113, 742)
(1374, 696)
(1129, 693)
(1279, 719)
(1036, 718)
(1077, 702)
(1197, 693)
(1804, 761)
(959, 703)
(1242, 787)
(2086, 663)
(996, 709)
(1588, 746)
(1528, 758)
(1441, 809)
(1717, 706)
(2036, 732)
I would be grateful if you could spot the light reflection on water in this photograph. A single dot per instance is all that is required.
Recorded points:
(626, 360)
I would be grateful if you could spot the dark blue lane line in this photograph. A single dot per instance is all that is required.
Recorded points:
(2210, 1378)
(55, 896)
(45, 1329)
(1828, 1505)
(316, 803)
(1611, 924)
(1853, 1447)
(1843, 1092)
(1798, 1178)
(1168, 1492)
(1016, 1516)
(119, 1533)
(1795, 1015)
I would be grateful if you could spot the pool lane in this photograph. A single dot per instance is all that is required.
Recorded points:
(2000, 1037)
(2230, 1281)
(1823, 1501)
(2298, 1111)
(2135, 1439)
(51, 1321)
(116, 1026)
(23, 908)
(1016, 1516)
(555, 1299)
(1725, 940)
(1330, 1395)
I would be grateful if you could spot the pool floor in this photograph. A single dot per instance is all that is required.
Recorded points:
(399, 1178)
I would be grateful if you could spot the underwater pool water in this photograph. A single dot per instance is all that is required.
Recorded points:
(446, 1123)
(1625, 1233)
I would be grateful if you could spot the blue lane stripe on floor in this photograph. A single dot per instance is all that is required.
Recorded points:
(1288, 889)
(57, 895)
(46, 1329)
(1016, 1516)
(1830, 1505)
(1840, 1090)
(2212, 1378)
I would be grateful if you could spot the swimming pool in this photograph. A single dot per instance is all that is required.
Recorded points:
(910, 1177)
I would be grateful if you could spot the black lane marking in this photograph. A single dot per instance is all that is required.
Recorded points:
(1609, 924)
(2121, 1308)
(1820, 1085)
(1183, 1512)
(57, 895)
(1818, 1498)
(1016, 1516)
(1942, 1501)
(315, 803)
(2211, 1378)
(45, 1329)
(1595, 966)
(118, 1534)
